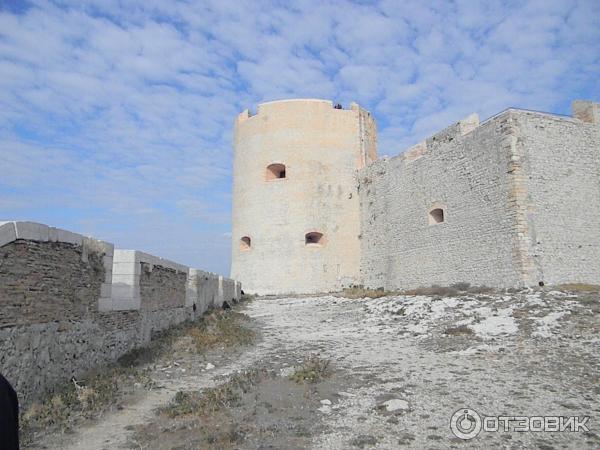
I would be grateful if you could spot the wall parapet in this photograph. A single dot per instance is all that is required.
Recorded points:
(69, 303)
(12, 231)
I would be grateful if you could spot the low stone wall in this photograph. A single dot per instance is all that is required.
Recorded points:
(203, 290)
(229, 290)
(70, 303)
(47, 274)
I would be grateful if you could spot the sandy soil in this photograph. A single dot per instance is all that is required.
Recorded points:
(400, 368)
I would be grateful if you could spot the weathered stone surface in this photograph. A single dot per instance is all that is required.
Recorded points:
(62, 314)
(321, 147)
(162, 287)
(47, 281)
(521, 199)
(467, 176)
(513, 201)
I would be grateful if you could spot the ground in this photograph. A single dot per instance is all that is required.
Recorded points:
(335, 373)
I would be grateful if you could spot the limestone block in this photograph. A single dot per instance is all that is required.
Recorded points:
(128, 279)
(8, 233)
(124, 268)
(32, 231)
(219, 299)
(59, 235)
(124, 256)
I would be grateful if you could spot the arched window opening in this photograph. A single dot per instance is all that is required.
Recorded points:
(314, 238)
(245, 243)
(275, 172)
(436, 216)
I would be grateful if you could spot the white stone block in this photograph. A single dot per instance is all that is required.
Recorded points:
(128, 279)
(126, 268)
(8, 233)
(32, 231)
(124, 256)
(58, 235)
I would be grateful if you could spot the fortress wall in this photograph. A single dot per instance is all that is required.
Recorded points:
(321, 148)
(61, 315)
(229, 291)
(204, 290)
(145, 281)
(462, 169)
(47, 274)
(561, 158)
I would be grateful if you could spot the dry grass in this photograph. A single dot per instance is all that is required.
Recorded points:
(214, 399)
(221, 328)
(578, 287)
(312, 370)
(449, 291)
(461, 330)
(81, 399)
(97, 392)
(356, 292)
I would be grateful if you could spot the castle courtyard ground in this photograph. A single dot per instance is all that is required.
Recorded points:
(335, 373)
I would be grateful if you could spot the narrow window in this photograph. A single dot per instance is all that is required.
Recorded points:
(436, 216)
(275, 172)
(245, 243)
(314, 238)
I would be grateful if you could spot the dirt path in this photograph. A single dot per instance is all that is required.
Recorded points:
(402, 366)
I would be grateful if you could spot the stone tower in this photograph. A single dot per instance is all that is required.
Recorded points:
(296, 218)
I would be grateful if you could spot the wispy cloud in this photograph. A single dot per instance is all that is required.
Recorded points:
(115, 117)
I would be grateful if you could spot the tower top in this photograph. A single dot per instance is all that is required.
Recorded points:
(293, 103)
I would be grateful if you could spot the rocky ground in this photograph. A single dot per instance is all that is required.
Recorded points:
(334, 373)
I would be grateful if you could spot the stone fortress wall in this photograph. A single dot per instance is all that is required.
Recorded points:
(294, 175)
(511, 202)
(69, 303)
(520, 196)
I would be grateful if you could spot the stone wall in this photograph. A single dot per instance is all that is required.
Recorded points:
(462, 170)
(229, 290)
(66, 305)
(205, 289)
(521, 201)
(162, 287)
(47, 281)
(561, 157)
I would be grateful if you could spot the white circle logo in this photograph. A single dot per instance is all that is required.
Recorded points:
(465, 423)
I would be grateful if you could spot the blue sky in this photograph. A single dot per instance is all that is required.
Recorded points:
(116, 116)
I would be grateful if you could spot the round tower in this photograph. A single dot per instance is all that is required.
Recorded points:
(296, 219)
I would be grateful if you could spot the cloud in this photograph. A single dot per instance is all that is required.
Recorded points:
(116, 117)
